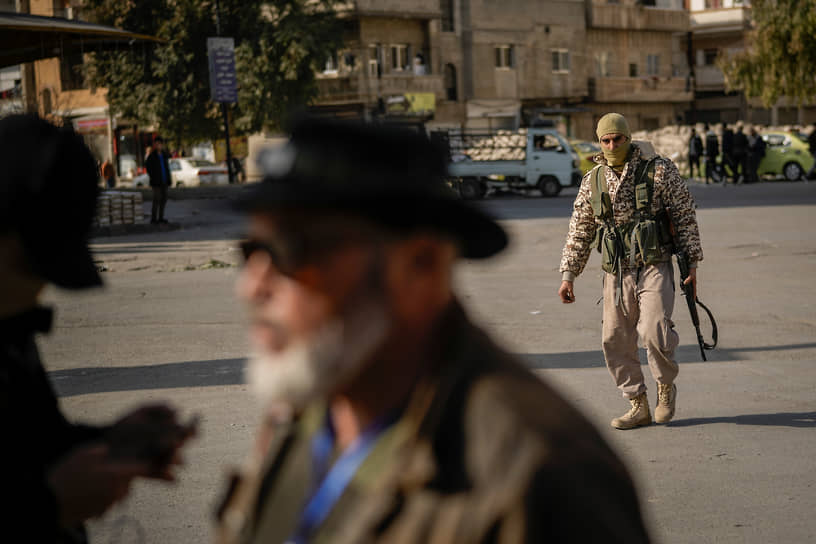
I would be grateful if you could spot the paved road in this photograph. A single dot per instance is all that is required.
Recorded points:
(737, 464)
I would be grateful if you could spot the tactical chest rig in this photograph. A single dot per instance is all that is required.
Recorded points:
(647, 235)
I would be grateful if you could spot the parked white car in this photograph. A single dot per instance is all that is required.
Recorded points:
(190, 172)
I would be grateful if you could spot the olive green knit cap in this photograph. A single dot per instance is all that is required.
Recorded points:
(613, 123)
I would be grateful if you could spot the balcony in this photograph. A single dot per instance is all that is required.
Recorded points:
(425, 9)
(715, 21)
(708, 78)
(626, 17)
(640, 89)
(354, 88)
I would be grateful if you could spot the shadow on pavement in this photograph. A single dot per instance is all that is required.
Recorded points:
(782, 419)
(689, 353)
(83, 381)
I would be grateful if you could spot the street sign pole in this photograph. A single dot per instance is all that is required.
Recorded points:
(220, 81)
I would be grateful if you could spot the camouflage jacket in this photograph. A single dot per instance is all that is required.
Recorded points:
(485, 452)
(670, 191)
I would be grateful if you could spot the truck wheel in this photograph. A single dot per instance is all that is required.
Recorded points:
(549, 186)
(470, 189)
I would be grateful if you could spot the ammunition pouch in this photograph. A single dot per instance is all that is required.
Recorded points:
(645, 237)
(648, 236)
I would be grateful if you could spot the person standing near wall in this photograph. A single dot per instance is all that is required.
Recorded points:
(158, 169)
(694, 152)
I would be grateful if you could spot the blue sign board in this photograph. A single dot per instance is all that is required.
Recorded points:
(223, 82)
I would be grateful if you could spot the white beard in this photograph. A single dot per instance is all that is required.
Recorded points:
(329, 359)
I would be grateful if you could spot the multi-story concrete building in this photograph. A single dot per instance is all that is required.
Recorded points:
(722, 27)
(385, 64)
(638, 65)
(485, 64)
(717, 26)
(481, 64)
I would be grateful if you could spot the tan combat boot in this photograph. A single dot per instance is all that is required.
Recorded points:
(666, 397)
(637, 416)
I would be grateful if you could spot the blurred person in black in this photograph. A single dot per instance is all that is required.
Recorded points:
(740, 154)
(812, 149)
(756, 151)
(57, 474)
(712, 149)
(728, 155)
(158, 170)
(694, 152)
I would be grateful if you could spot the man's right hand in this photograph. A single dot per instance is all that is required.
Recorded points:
(566, 293)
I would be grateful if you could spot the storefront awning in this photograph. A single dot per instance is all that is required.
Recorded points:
(26, 38)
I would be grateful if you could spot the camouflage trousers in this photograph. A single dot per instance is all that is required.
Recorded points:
(644, 313)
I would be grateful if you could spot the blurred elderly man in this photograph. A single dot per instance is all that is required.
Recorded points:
(624, 208)
(56, 474)
(390, 416)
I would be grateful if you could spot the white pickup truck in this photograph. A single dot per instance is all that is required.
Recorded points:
(532, 159)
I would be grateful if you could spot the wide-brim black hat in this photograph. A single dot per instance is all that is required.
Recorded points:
(48, 198)
(390, 175)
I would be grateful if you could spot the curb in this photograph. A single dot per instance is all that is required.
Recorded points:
(135, 228)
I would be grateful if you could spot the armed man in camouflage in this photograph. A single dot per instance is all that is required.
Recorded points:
(625, 208)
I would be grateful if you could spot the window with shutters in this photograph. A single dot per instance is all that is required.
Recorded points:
(560, 61)
(505, 56)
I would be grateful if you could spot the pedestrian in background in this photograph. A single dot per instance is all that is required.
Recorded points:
(741, 153)
(616, 198)
(158, 170)
(812, 149)
(712, 149)
(728, 155)
(756, 151)
(392, 417)
(108, 174)
(694, 152)
(57, 474)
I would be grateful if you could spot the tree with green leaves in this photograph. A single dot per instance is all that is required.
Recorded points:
(782, 53)
(279, 45)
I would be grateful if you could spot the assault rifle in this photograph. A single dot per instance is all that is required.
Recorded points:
(688, 292)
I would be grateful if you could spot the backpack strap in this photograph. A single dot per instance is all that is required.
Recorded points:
(601, 206)
(644, 186)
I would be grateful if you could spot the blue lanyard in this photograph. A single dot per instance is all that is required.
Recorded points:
(339, 475)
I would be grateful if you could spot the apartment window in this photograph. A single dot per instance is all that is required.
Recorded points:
(68, 9)
(633, 69)
(451, 92)
(710, 56)
(399, 57)
(713, 4)
(374, 60)
(603, 63)
(505, 56)
(72, 76)
(447, 15)
(331, 64)
(560, 60)
(652, 65)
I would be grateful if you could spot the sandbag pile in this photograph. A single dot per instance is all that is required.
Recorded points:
(118, 208)
(504, 145)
